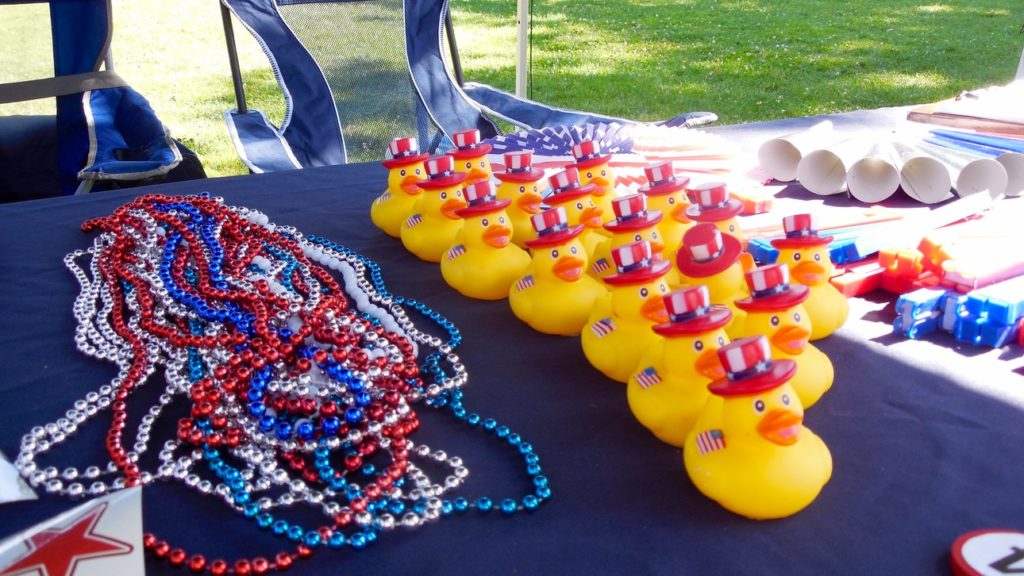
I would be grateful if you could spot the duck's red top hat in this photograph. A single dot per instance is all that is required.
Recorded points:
(770, 289)
(636, 264)
(480, 199)
(441, 173)
(711, 203)
(468, 145)
(706, 251)
(552, 226)
(749, 368)
(404, 151)
(588, 153)
(566, 186)
(631, 214)
(519, 168)
(662, 179)
(690, 312)
(801, 232)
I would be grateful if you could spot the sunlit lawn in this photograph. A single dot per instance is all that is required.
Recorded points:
(644, 59)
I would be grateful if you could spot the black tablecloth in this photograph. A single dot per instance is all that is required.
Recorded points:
(926, 436)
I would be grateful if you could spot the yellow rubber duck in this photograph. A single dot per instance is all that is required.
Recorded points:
(710, 202)
(483, 263)
(670, 386)
(579, 206)
(715, 260)
(434, 224)
(405, 170)
(520, 183)
(666, 192)
(554, 295)
(775, 309)
(633, 222)
(749, 450)
(807, 256)
(618, 330)
(471, 155)
(594, 169)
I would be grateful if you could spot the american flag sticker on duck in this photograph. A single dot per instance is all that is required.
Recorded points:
(456, 251)
(413, 220)
(603, 327)
(383, 197)
(647, 377)
(524, 283)
(600, 266)
(710, 440)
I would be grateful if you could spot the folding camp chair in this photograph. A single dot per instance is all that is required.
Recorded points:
(104, 133)
(357, 73)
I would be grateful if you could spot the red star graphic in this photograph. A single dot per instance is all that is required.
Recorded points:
(57, 551)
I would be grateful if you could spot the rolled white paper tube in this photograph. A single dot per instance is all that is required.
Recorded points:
(1013, 162)
(823, 172)
(874, 177)
(780, 156)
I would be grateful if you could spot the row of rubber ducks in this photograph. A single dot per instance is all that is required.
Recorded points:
(611, 282)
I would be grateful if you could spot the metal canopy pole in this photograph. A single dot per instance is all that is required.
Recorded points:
(236, 71)
(523, 50)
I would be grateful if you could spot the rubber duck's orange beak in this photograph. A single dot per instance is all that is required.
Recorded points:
(679, 214)
(780, 426)
(708, 365)
(568, 268)
(809, 273)
(409, 186)
(529, 203)
(657, 248)
(497, 236)
(477, 175)
(790, 339)
(591, 217)
(654, 309)
(450, 206)
(602, 184)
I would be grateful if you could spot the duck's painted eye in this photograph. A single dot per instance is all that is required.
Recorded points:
(698, 345)
(604, 172)
(654, 235)
(501, 219)
(796, 317)
(485, 222)
(590, 174)
(774, 320)
(458, 193)
(643, 292)
(759, 406)
(401, 172)
(554, 253)
(732, 227)
(522, 189)
(483, 164)
(579, 205)
(417, 171)
(785, 399)
(444, 195)
(637, 238)
(663, 288)
(573, 250)
(817, 257)
(535, 188)
(721, 341)
(469, 165)
(796, 257)
(671, 200)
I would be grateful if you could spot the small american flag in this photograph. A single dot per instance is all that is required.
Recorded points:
(603, 327)
(647, 377)
(384, 197)
(599, 266)
(524, 283)
(413, 220)
(710, 440)
(456, 251)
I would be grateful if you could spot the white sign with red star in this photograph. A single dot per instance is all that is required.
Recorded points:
(98, 538)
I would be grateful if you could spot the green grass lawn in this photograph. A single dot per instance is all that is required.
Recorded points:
(746, 60)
